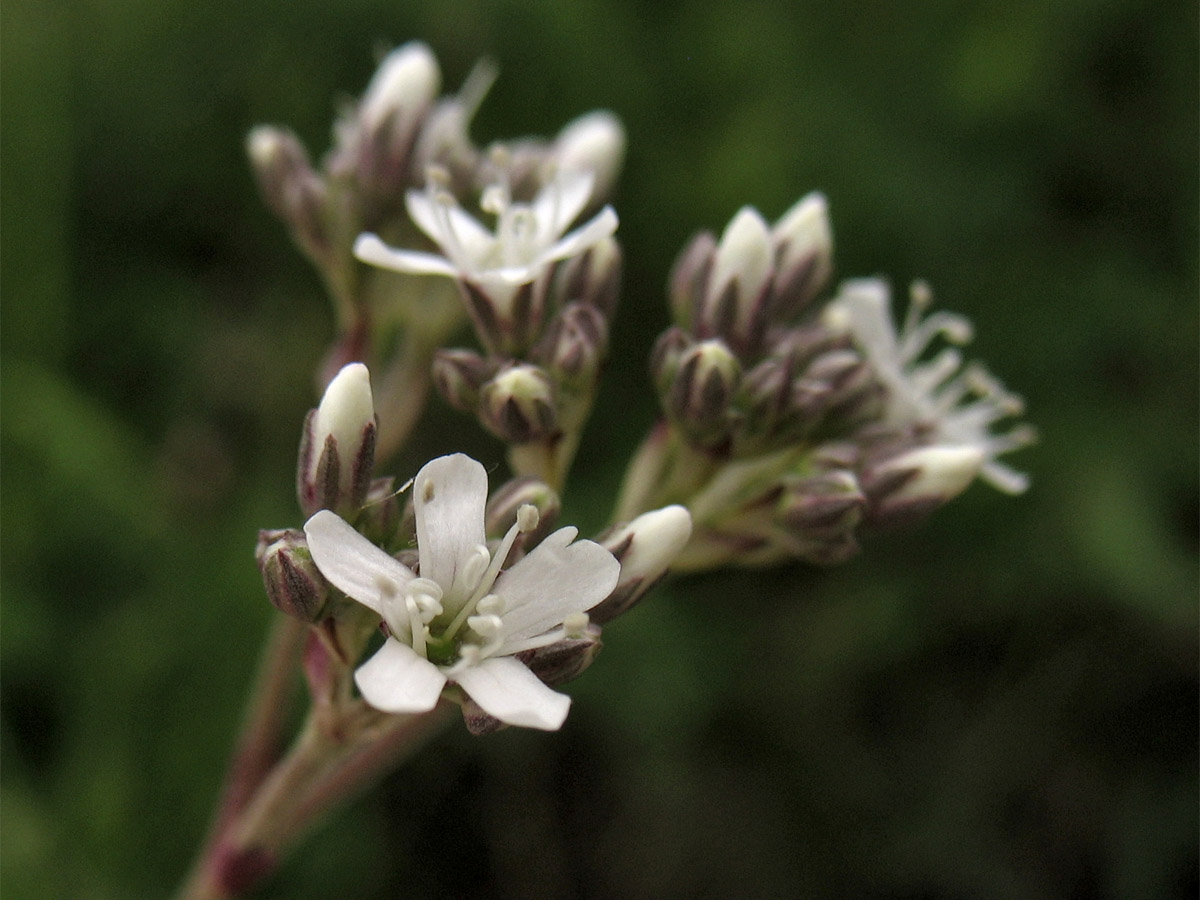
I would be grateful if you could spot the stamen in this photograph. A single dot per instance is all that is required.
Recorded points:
(467, 578)
(416, 626)
(491, 605)
(486, 582)
(917, 336)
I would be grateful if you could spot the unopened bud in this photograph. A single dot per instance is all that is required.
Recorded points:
(592, 277)
(912, 484)
(290, 186)
(575, 343)
(689, 276)
(668, 352)
(645, 548)
(565, 660)
(294, 584)
(700, 393)
(820, 514)
(735, 303)
(337, 451)
(803, 242)
(593, 143)
(505, 503)
(518, 404)
(405, 84)
(459, 375)
(381, 513)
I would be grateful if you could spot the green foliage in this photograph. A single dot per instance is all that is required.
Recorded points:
(1000, 704)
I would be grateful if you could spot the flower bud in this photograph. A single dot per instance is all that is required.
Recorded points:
(645, 548)
(803, 244)
(381, 512)
(735, 302)
(503, 504)
(908, 486)
(574, 345)
(591, 277)
(459, 375)
(567, 659)
(404, 86)
(337, 451)
(518, 404)
(668, 352)
(699, 395)
(820, 514)
(294, 584)
(689, 276)
(592, 143)
(295, 193)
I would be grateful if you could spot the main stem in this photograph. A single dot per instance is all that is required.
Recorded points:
(326, 767)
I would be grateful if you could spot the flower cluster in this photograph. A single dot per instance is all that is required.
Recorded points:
(498, 620)
(401, 174)
(792, 421)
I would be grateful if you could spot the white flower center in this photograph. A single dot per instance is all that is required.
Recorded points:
(418, 613)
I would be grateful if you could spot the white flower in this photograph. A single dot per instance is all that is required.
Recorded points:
(958, 404)
(526, 239)
(463, 619)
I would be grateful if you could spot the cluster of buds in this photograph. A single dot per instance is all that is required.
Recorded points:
(738, 377)
(792, 419)
(400, 173)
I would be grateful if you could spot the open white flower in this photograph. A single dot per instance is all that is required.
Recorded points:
(463, 619)
(527, 237)
(958, 404)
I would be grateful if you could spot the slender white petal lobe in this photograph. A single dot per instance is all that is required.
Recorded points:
(506, 689)
(397, 679)
(352, 564)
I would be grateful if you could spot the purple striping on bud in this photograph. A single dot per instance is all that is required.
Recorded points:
(906, 487)
(337, 450)
(293, 583)
(689, 276)
(505, 502)
(699, 394)
(593, 277)
(645, 548)
(518, 405)
(820, 514)
(575, 344)
(459, 375)
(292, 189)
(803, 244)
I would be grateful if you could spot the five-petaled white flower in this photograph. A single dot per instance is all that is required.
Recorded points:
(958, 404)
(527, 237)
(463, 619)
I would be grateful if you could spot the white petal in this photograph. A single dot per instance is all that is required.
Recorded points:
(868, 301)
(506, 689)
(370, 249)
(559, 203)
(397, 679)
(449, 496)
(458, 234)
(602, 225)
(352, 564)
(552, 582)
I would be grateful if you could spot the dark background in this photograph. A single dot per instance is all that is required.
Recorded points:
(1001, 704)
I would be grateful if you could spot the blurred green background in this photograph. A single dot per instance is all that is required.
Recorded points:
(1002, 704)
